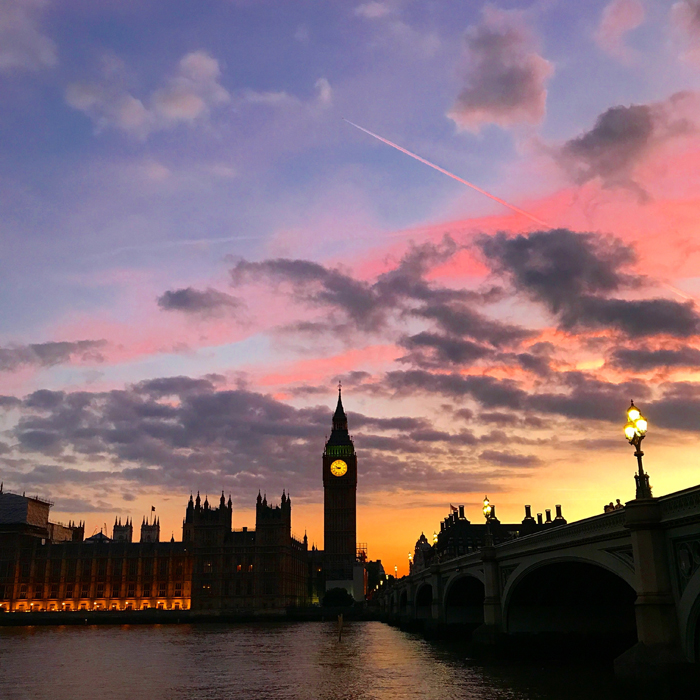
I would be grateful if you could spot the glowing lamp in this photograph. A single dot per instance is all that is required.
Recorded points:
(635, 431)
(487, 508)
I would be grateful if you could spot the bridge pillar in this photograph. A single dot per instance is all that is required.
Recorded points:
(487, 635)
(658, 639)
(437, 612)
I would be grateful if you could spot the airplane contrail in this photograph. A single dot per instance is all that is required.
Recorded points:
(449, 174)
(673, 289)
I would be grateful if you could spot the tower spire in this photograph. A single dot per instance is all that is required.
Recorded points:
(340, 420)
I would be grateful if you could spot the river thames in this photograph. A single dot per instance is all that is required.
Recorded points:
(267, 661)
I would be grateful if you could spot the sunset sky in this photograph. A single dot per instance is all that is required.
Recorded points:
(195, 248)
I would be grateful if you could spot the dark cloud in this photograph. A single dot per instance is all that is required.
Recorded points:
(462, 320)
(436, 350)
(488, 391)
(623, 136)
(505, 80)
(572, 272)
(183, 433)
(365, 305)
(677, 409)
(9, 402)
(48, 354)
(509, 459)
(585, 397)
(81, 505)
(193, 301)
(645, 359)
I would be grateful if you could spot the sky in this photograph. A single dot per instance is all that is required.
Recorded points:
(195, 248)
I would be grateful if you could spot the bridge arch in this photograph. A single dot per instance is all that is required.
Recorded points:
(572, 598)
(463, 600)
(424, 601)
(689, 618)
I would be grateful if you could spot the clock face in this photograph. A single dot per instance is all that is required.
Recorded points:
(338, 468)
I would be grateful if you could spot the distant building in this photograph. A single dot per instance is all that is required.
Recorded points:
(459, 536)
(49, 566)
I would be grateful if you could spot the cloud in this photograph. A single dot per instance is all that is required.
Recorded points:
(177, 432)
(14, 357)
(623, 137)
(196, 302)
(374, 10)
(22, 45)
(509, 459)
(435, 350)
(619, 18)
(280, 98)
(189, 96)
(506, 79)
(685, 19)
(571, 274)
(646, 359)
(366, 305)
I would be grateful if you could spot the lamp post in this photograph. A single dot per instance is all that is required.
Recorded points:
(487, 509)
(635, 431)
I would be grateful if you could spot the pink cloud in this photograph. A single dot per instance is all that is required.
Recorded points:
(619, 18)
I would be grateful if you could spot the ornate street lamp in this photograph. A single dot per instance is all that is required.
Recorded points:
(488, 509)
(435, 538)
(635, 431)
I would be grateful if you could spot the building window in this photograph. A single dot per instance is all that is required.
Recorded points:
(238, 568)
(85, 590)
(131, 590)
(162, 590)
(207, 567)
(23, 591)
(206, 589)
(69, 590)
(178, 589)
(54, 590)
(100, 590)
(163, 568)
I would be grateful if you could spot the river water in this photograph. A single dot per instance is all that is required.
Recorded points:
(302, 661)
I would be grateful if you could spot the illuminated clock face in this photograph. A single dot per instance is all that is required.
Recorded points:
(338, 468)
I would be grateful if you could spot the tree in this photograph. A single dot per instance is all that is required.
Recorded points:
(337, 598)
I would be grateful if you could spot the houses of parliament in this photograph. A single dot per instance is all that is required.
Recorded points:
(45, 566)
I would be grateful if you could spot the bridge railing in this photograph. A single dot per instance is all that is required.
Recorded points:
(681, 505)
(602, 525)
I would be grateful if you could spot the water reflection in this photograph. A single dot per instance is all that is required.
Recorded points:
(266, 661)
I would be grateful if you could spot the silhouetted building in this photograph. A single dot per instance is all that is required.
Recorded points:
(459, 536)
(49, 566)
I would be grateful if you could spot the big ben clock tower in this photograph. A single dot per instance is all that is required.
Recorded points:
(339, 503)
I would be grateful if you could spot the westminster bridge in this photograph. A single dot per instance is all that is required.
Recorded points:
(633, 571)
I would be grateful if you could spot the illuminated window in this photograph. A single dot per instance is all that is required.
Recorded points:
(23, 591)
(238, 568)
(178, 589)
